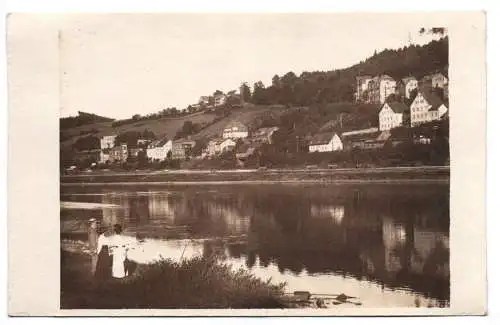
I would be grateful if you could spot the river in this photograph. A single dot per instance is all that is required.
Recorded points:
(387, 245)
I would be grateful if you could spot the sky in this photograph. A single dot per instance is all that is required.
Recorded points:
(120, 65)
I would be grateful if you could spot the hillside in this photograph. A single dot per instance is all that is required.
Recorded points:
(299, 105)
(82, 118)
(212, 124)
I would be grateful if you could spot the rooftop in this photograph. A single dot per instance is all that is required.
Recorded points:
(398, 107)
(236, 124)
(431, 98)
(321, 138)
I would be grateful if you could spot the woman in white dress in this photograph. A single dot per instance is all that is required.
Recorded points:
(119, 246)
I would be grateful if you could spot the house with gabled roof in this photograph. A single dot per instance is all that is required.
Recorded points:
(216, 147)
(427, 106)
(235, 130)
(391, 115)
(159, 149)
(325, 142)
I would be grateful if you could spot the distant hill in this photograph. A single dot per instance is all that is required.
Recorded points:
(82, 119)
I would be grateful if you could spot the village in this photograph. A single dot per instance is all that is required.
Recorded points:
(404, 105)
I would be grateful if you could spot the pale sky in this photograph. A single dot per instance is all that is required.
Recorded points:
(120, 65)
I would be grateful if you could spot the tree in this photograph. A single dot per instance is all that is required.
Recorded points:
(148, 135)
(89, 142)
(276, 81)
(246, 94)
(259, 93)
(142, 159)
(129, 137)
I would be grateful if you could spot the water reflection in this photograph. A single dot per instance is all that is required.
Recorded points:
(392, 237)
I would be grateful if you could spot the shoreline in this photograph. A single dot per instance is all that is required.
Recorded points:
(264, 182)
(392, 175)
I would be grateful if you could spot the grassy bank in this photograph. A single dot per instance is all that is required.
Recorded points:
(194, 283)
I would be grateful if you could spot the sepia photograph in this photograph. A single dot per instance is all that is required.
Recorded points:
(320, 186)
(255, 162)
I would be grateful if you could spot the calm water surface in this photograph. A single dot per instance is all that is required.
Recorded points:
(387, 245)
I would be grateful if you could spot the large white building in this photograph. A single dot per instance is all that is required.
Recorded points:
(374, 89)
(362, 87)
(325, 142)
(391, 115)
(158, 150)
(235, 130)
(426, 107)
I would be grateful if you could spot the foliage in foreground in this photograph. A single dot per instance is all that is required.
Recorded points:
(195, 283)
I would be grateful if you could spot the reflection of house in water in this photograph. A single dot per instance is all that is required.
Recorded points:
(336, 212)
(235, 222)
(431, 253)
(394, 236)
(160, 208)
(111, 216)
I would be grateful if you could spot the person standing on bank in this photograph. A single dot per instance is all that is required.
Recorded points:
(119, 246)
(104, 261)
(92, 239)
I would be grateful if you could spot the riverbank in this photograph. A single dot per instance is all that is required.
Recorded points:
(347, 175)
(195, 283)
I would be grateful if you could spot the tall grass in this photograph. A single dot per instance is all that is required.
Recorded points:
(196, 283)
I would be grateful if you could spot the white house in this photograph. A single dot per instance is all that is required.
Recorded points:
(159, 149)
(409, 84)
(204, 100)
(391, 115)
(387, 87)
(219, 99)
(325, 142)
(235, 130)
(108, 141)
(435, 80)
(264, 135)
(426, 107)
(217, 146)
